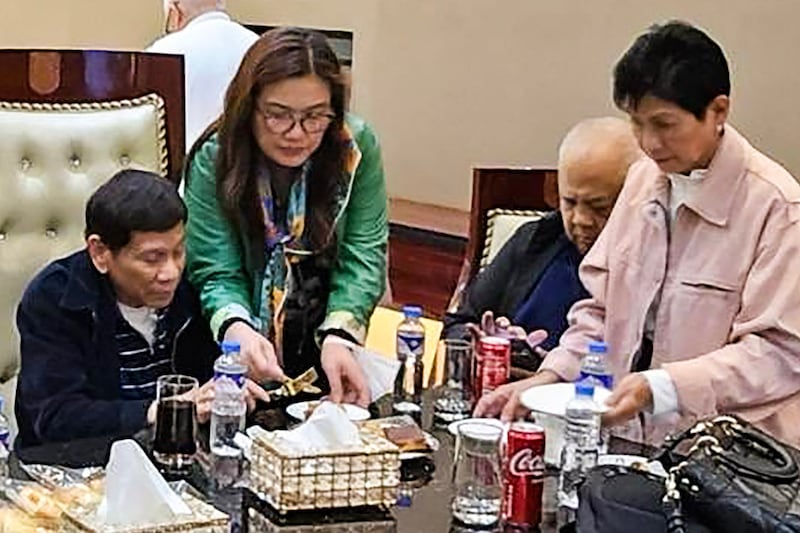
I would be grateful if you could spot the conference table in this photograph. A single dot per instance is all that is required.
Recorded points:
(424, 505)
(425, 491)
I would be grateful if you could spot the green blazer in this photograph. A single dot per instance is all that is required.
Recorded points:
(228, 273)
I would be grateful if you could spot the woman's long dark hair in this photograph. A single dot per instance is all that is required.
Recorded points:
(280, 54)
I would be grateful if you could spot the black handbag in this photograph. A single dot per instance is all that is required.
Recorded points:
(620, 499)
(734, 477)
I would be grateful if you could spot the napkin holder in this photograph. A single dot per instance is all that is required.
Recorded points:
(291, 479)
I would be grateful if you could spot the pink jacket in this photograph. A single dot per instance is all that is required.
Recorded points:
(728, 326)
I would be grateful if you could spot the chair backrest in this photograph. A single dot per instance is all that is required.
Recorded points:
(503, 198)
(68, 121)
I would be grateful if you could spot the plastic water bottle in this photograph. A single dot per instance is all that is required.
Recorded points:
(5, 428)
(5, 440)
(581, 447)
(229, 408)
(410, 351)
(594, 365)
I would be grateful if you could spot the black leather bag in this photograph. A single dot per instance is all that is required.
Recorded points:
(619, 499)
(735, 477)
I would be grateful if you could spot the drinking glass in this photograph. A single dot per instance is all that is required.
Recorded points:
(453, 397)
(477, 478)
(176, 422)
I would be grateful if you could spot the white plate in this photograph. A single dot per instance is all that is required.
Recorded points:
(432, 443)
(552, 399)
(354, 412)
(653, 467)
(453, 427)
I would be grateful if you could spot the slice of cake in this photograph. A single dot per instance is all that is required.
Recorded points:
(409, 438)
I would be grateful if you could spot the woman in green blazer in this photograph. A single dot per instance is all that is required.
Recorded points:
(287, 230)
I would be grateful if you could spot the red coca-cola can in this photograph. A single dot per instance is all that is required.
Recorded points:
(492, 365)
(523, 475)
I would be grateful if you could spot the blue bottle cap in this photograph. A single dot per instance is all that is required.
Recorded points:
(404, 500)
(230, 346)
(584, 387)
(598, 347)
(412, 311)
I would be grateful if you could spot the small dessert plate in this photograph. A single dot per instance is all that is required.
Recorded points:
(453, 427)
(553, 399)
(354, 412)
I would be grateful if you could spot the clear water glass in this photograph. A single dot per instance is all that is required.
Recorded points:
(477, 477)
(453, 397)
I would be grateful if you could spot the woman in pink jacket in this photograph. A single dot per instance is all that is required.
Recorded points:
(692, 281)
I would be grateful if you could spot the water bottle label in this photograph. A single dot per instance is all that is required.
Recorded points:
(410, 343)
(606, 380)
(236, 377)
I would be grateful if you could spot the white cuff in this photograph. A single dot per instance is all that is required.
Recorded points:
(333, 339)
(665, 396)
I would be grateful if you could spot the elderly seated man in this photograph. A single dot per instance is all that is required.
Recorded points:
(533, 281)
(692, 281)
(100, 326)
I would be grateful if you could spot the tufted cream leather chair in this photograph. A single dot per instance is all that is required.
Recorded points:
(52, 157)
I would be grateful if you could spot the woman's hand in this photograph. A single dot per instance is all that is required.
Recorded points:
(257, 352)
(347, 381)
(503, 402)
(630, 397)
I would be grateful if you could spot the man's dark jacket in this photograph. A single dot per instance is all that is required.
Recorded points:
(68, 384)
(507, 281)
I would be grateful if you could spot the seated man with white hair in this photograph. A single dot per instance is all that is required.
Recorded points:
(533, 281)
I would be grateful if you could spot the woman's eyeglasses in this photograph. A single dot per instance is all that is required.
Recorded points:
(281, 121)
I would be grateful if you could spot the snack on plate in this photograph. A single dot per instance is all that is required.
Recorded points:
(34, 500)
(14, 520)
(69, 486)
(407, 438)
(402, 431)
(56, 477)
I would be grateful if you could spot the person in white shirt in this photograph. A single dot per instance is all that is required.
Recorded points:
(212, 46)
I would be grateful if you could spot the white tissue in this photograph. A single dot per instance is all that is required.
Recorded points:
(380, 371)
(135, 492)
(327, 428)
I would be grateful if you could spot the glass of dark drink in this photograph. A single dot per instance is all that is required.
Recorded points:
(176, 424)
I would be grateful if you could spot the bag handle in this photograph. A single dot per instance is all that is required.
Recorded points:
(780, 466)
(723, 437)
(671, 504)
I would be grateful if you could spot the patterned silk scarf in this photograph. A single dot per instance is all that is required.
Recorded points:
(281, 239)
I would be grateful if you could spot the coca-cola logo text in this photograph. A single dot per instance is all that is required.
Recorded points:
(525, 463)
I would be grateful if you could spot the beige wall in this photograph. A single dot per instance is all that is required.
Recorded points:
(453, 83)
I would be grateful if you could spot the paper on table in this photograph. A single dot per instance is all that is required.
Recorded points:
(327, 428)
(135, 492)
(380, 371)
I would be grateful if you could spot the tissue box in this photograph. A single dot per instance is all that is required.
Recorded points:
(290, 479)
(204, 519)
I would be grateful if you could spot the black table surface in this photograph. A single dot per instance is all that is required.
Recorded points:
(427, 482)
